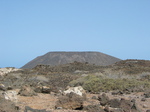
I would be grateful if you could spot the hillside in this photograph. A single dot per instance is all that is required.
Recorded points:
(59, 58)
(77, 87)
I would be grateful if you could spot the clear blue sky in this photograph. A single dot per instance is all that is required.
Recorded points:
(30, 28)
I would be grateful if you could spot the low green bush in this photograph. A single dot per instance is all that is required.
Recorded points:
(96, 84)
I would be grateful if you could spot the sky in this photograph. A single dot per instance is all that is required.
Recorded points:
(31, 28)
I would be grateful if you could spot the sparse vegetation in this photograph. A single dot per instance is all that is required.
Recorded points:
(97, 84)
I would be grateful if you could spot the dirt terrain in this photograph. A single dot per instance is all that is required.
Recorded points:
(48, 101)
(77, 87)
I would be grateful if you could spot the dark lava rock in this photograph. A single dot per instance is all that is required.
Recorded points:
(128, 106)
(143, 99)
(117, 93)
(9, 88)
(70, 101)
(46, 89)
(122, 106)
(93, 108)
(114, 103)
(103, 99)
(147, 95)
(27, 91)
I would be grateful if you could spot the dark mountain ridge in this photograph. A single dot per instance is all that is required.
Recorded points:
(59, 58)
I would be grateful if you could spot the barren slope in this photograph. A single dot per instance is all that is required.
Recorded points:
(58, 58)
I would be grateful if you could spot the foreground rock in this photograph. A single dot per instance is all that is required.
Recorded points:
(7, 106)
(10, 95)
(103, 99)
(77, 90)
(70, 101)
(147, 94)
(27, 91)
(43, 89)
(117, 105)
(123, 105)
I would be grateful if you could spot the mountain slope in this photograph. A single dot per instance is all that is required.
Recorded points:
(58, 58)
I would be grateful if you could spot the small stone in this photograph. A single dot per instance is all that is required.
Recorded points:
(117, 93)
(147, 110)
(145, 106)
(106, 109)
(10, 88)
(147, 95)
(94, 97)
(46, 89)
(133, 100)
(2, 87)
(143, 99)
(58, 108)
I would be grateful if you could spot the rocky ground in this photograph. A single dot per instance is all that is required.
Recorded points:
(77, 87)
(48, 102)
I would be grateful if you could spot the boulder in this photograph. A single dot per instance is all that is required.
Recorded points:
(70, 101)
(27, 91)
(114, 103)
(46, 89)
(10, 95)
(7, 106)
(128, 106)
(104, 100)
(77, 90)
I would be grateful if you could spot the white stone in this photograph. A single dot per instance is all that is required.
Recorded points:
(77, 90)
(145, 106)
(10, 95)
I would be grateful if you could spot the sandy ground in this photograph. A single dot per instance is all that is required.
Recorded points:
(47, 101)
(41, 101)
